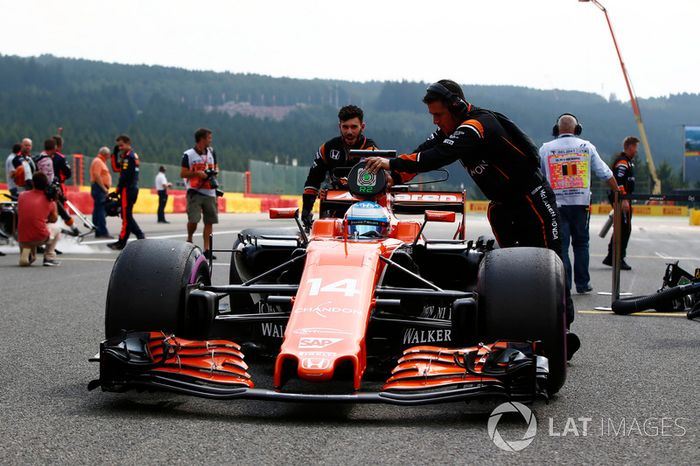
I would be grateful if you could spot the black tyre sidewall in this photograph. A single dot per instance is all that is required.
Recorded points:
(522, 298)
(146, 290)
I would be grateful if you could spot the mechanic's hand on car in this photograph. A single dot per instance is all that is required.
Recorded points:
(307, 219)
(374, 164)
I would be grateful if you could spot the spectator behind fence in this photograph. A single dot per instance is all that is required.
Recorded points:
(34, 210)
(567, 162)
(100, 182)
(162, 186)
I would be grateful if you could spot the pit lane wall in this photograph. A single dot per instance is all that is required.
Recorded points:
(147, 203)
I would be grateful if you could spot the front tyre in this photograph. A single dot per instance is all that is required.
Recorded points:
(522, 297)
(147, 287)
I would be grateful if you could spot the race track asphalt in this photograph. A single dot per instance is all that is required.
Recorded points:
(634, 385)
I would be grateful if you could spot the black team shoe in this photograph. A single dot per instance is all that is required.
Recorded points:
(51, 263)
(607, 261)
(624, 265)
(116, 246)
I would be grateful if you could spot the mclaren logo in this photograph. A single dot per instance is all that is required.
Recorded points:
(317, 343)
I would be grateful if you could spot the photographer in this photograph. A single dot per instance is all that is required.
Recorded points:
(34, 210)
(199, 169)
(46, 163)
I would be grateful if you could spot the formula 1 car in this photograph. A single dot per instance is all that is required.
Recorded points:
(368, 312)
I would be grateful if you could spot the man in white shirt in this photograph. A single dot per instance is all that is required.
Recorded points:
(162, 186)
(567, 162)
(199, 169)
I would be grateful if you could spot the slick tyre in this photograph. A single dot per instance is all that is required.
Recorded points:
(147, 287)
(522, 297)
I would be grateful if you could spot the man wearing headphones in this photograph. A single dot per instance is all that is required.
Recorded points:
(502, 160)
(567, 162)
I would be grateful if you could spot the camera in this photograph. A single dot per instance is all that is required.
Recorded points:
(211, 178)
(213, 182)
(53, 190)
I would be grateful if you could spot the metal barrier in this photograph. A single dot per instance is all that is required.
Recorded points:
(230, 181)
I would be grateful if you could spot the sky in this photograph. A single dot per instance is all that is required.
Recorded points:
(544, 44)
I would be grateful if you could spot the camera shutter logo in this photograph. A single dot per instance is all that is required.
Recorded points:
(512, 445)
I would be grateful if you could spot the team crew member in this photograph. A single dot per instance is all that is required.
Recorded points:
(567, 162)
(128, 189)
(623, 169)
(334, 153)
(100, 182)
(500, 158)
(199, 168)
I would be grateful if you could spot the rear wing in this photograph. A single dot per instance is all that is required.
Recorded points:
(407, 202)
(417, 202)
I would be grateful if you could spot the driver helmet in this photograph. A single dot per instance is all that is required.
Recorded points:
(367, 220)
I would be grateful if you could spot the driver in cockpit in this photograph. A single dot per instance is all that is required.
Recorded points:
(333, 154)
(367, 220)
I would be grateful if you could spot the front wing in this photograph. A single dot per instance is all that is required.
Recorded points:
(423, 375)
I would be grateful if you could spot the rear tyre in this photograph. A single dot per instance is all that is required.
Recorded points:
(522, 297)
(147, 288)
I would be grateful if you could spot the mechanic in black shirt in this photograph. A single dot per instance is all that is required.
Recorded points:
(623, 170)
(501, 159)
(128, 190)
(333, 154)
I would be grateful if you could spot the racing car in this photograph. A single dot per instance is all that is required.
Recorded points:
(362, 309)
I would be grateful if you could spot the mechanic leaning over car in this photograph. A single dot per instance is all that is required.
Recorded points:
(502, 160)
(567, 162)
(333, 154)
(199, 168)
(126, 162)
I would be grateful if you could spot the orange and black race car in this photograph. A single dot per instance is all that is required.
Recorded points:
(362, 309)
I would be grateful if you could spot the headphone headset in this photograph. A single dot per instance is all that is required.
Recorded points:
(577, 129)
(456, 103)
